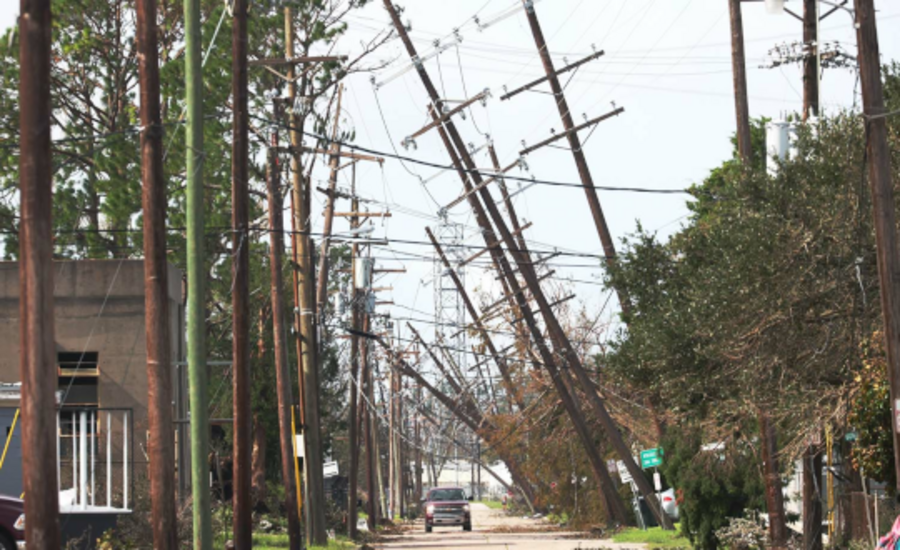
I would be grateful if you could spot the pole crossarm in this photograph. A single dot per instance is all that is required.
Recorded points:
(465, 196)
(446, 116)
(575, 130)
(363, 215)
(277, 61)
(343, 154)
(564, 70)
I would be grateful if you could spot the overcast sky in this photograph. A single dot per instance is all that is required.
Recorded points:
(667, 62)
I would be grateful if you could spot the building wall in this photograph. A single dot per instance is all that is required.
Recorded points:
(99, 307)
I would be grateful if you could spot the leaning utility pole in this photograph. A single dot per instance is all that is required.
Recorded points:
(879, 158)
(612, 503)
(739, 67)
(242, 519)
(811, 58)
(468, 170)
(196, 279)
(282, 374)
(584, 172)
(37, 364)
(161, 437)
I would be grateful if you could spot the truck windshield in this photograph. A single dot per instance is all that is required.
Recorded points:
(439, 495)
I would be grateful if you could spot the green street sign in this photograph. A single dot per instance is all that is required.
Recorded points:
(651, 458)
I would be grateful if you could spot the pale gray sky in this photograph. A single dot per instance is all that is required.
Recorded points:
(667, 63)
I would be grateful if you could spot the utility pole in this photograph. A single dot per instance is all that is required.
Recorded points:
(811, 67)
(242, 520)
(305, 271)
(282, 374)
(774, 493)
(196, 277)
(304, 303)
(161, 438)
(368, 406)
(353, 421)
(334, 161)
(879, 158)
(612, 503)
(558, 336)
(584, 172)
(739, 67)
(37, 364)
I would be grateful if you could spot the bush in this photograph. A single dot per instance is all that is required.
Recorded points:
(712, 486)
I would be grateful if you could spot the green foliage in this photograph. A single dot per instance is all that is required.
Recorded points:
(712, 486)
(654, 538)
(870, 416)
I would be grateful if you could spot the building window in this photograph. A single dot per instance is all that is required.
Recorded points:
(78, 377)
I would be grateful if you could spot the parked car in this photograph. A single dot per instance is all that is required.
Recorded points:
(669, 502)
(447, 506)
(12, 523)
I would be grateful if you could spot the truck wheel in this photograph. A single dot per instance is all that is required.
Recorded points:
(467, 526)
(427, 528)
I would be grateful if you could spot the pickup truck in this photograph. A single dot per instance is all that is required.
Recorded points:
(447, 506)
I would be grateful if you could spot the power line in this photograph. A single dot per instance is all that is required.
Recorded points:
(439, 166)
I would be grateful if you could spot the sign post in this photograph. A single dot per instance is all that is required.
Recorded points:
(651, 458)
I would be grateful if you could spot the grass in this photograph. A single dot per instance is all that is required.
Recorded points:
(493, 504)
(654, 538)
(269, 542)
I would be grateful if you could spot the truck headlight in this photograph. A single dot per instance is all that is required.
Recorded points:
(429, 509)
(20, 523)
(467, 508)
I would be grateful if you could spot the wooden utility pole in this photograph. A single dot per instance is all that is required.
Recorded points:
(322, 286)
(739, 67)
(774, 494)
(353, 420)
(512, 394)
(584, 172)
(811, 58)
(368, 405)
(242, 519)
(468, 169)
(879, 157)
(282, 373)
(612, 503)
(812, 501)
(304, 299)
(196, 278)
(37, 364)
(161, 438)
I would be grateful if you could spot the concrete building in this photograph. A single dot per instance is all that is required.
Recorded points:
(101, 344)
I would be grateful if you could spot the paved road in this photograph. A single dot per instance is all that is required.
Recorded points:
(484, 535)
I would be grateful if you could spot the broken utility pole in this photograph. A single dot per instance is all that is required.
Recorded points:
(280, 333)
(879, 157)
(37, 364)
(161, 436)
(739, 67)
(242, 520)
